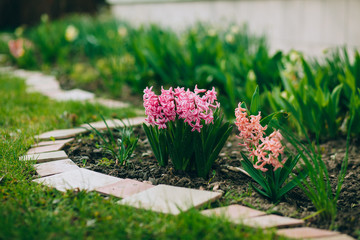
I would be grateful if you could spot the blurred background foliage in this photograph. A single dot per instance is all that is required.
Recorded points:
(116, 59)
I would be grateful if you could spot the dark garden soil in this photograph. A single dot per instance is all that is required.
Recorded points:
(224, 177)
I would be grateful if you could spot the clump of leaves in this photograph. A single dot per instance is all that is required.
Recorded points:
(121, 147)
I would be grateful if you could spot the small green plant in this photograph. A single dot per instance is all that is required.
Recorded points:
(318, 186)
(120, 148)
(267, 165)
(185, 126)
(105, 162)
(309, 96)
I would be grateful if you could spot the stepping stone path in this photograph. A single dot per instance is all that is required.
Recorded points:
(55, 167)
(114, 123)
(44, 157)
(50, 87)
(61, 133)
(81, 179)
(47, 148)
(170, 199)
(234, 212)
(124, 188)
(61, 173)
(307, 232)
(55, 142)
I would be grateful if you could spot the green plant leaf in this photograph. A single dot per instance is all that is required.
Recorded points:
(255, 102)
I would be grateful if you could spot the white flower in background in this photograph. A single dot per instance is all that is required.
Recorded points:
(71, 33)
(294, 56)
(211, 32)
(251, 75)
(229, 38)
(235, 29)
(122, 31)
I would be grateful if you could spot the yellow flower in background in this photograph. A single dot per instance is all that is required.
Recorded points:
(212, 32)
(122, 31)
(19, 31)
(44, 18)
(229, 38)
(71, 33)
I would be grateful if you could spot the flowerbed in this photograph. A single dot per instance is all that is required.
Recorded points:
(235, 185)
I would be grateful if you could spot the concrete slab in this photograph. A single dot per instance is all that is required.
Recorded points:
(48, 148)
(46, 143)
(44, 157)
(234, 212)
(73, 95)
(55, 167)
(109, 103)
(337, 237)
(113, 123)
(61, 133)
(124, 188)
(270, 221)
(306, 232)
(100, 125)
(170, 199)
(81, 179)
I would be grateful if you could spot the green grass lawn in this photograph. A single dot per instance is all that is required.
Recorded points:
(32, 211)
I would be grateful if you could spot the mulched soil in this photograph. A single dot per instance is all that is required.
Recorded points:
(143, 166)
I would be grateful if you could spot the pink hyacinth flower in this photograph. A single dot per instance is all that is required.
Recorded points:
(266, 150)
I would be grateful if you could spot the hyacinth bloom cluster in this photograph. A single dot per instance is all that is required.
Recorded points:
(266, 149)
(178, 103)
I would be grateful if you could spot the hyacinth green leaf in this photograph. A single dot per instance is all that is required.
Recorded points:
(180, 144)
(209, 143)
(293, 183)
(308, 73)
(255, 102)
(260, 191)
(287, 168)
(155, 138)
(253, 172)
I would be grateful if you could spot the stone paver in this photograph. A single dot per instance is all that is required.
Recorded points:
(234, 212)
(81, 179)
(100, 125)
(61, 133)
(48, 148)
(124, 188)
(45, 157)
(109, 103)
(136, 121)
(306, 232)
(270, 221)
(55, 167)
(73, 95)
(336, 237)
(170, 199)
(42, 82)
(113, 123)
(46, 143)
